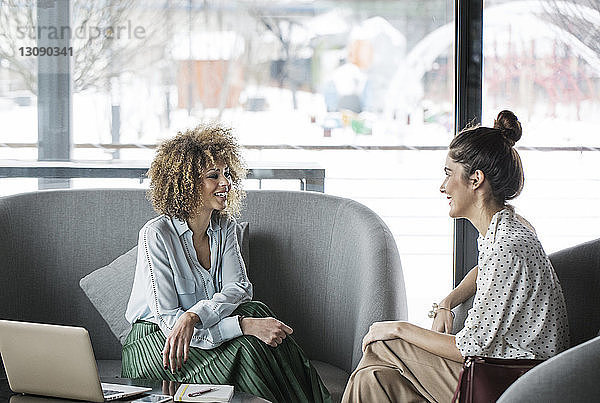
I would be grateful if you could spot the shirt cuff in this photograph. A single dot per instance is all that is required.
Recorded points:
(230, 327)
(207, 315)
(198, 324)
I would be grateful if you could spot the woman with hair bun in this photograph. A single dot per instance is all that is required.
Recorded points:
(191, 305)
(518, 310)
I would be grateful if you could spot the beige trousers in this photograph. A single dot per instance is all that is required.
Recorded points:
(397, 371)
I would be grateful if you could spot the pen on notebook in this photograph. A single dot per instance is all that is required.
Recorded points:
(201, 392)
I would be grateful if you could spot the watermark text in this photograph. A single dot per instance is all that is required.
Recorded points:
(124, 31)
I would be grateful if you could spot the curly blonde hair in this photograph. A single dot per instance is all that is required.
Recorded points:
(176, 171)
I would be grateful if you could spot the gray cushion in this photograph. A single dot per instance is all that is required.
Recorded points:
(109, 287)
(334, 378)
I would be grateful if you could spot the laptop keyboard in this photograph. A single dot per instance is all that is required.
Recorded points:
(107, 392)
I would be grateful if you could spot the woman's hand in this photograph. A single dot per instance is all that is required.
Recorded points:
(381, 331)
(268, 330)
(443, 321)
(177, 345)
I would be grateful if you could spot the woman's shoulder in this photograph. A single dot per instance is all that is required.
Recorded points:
(517, 236)
(161, 225)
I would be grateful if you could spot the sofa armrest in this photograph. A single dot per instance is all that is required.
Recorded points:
(570, 376)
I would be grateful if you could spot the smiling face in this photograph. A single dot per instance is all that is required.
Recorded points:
(458, 190)
(216, 184)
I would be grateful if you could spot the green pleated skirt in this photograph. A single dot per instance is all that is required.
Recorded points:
(278, 374)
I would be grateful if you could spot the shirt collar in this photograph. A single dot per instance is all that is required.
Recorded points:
(181, 226)
(490, 235)
(214, 224)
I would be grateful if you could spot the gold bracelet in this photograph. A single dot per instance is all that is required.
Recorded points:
(436, 308)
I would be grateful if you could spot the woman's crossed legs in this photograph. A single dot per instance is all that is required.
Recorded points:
(397, 371)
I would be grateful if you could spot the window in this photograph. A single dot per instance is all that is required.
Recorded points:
(542, 60)
(361, 89)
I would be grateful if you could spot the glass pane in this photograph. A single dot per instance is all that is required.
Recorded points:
(18, 80)
(542, 60)
(362, 89)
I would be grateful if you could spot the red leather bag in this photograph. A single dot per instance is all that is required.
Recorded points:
(484, 379)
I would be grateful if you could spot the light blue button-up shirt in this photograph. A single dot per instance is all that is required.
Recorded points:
(169, 280)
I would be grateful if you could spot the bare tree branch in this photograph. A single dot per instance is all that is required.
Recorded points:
(103, 38)
(573, 17)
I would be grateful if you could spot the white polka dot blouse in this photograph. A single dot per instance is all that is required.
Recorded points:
(519, 308)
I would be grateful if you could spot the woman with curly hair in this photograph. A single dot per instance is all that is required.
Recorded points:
(190, 306)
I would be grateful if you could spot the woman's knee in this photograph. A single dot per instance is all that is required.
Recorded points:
(255, 309)
(375, 348)
(252, 341)
(383, 353)
(255, 304)
(372, 371)
(374, 378)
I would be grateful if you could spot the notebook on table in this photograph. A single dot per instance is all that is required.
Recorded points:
(57, 361)
(190, 392)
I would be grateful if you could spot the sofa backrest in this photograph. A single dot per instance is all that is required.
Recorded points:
(49, 240)
(326, 265)
(578, 269)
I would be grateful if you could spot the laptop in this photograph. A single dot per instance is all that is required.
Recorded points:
(57, 361)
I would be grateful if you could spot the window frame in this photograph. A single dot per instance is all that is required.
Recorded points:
(468, 70)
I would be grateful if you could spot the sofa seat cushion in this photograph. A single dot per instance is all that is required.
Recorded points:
(334, 378)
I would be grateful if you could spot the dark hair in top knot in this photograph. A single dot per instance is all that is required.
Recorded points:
(491, 151)
(509, 126)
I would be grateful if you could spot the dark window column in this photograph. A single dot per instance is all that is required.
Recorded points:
(54, 87)
(468, 74)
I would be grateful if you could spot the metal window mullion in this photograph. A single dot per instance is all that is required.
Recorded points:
(468, 80)
(54, 89)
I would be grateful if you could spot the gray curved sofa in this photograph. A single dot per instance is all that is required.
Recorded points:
(326, 265)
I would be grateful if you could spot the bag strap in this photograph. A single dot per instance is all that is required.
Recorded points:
(461, 376)
(457, 391)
